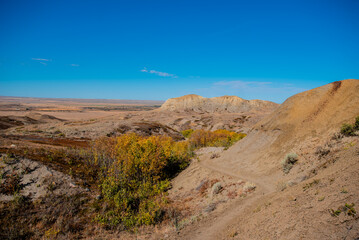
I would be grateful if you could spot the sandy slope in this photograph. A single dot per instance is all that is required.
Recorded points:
(301, 124)
(313, 113)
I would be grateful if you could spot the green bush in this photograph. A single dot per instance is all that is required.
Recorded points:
(217, 138)
(138, 170)
(289, 161)
(347, 130)
(356, 124)
(187, 133)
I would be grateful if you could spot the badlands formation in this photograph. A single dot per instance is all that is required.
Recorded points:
(310, 202)
(231, 104)
(256, 199)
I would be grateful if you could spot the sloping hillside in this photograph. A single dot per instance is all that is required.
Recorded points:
(312, 114)
(231, 104)
(318, 197)
(316, 110)
(35, 118)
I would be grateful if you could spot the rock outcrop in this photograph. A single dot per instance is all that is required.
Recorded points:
(231, 104)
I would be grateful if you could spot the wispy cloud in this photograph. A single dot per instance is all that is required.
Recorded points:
(41, 59)
(161, 74)
(242, 84)
(74, 65)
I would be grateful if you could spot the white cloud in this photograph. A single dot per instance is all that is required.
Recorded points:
(41, 59)
(242, 84)
(161, 74)
(74, 65)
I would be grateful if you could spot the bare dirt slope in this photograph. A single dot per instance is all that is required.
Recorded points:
(313, 113)
(301, 124)
(322, 207)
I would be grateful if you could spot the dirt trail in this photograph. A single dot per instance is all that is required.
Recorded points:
(307, 115)
(214, 227)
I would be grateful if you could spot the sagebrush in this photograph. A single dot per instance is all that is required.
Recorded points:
(348, 129)
(289, 161)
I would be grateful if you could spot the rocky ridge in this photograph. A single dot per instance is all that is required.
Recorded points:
(232, 104)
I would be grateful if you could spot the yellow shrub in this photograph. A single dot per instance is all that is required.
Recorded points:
(137, 175)
(136, 172)
(187, 133)
(218, 138)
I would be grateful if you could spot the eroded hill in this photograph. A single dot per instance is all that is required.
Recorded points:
(231, 104)
(241, 192)
(312, 200)
(89, 122)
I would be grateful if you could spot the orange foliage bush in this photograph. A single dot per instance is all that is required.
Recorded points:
(136, 172)
(218, 138)
(136, 176)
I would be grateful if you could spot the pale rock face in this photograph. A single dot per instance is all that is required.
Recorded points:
(231, 104)
(188, 102)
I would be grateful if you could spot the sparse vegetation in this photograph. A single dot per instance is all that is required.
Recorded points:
(321, 199)
(215, 155)
(348, 209)
(348, 129)
(64, 215)
(289, 161)
(356, 124)
(10, 183)
(249, 186)
(233, 234)
(344, 190)
(311, 184)
(335, 213)
(322, 151)
(281, 185)
(216, 188)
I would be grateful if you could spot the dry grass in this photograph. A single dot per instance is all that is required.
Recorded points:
(50, 217)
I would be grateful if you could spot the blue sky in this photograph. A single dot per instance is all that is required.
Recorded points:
(160, 49)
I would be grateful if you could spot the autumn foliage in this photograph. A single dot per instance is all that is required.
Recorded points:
(217, 138)
(136, 176)
(136, 171)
